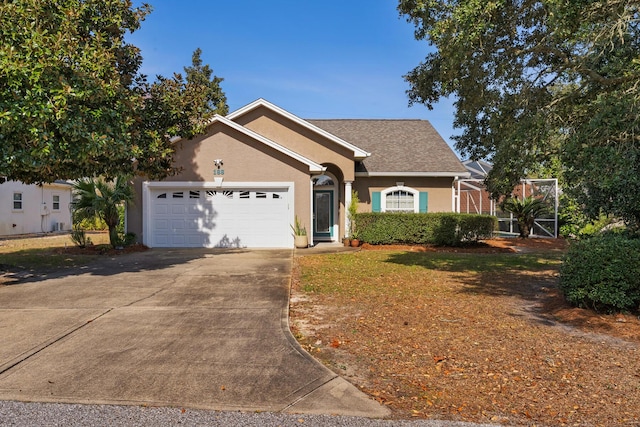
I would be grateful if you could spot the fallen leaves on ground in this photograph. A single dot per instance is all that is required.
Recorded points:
(490, 342)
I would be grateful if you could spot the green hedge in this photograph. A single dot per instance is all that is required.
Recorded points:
(442, 229)
(603, 273)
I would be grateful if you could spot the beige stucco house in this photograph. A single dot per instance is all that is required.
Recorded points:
(245, 181)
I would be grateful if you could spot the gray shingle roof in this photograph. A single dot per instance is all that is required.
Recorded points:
(406, 146)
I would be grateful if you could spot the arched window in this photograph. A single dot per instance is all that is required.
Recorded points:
(400, 199)
(323, 181)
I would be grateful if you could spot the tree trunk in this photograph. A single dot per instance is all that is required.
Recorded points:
(113, 235)
(523, 225)
(112, 222)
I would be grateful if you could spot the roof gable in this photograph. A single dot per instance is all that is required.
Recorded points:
(313, 166)
(398, 147)
(358, 153)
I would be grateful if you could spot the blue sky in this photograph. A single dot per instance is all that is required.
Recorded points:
(316, 59)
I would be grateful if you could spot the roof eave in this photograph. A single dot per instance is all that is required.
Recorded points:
(442, 174)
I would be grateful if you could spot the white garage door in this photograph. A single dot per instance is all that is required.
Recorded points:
(238, 218)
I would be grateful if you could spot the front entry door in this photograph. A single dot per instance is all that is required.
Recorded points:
(323, 214)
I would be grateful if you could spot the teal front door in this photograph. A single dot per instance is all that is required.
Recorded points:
(323, 215)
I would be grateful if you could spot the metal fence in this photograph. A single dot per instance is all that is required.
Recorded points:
(472, 197)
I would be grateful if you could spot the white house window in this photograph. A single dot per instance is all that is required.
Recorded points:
(17, 201)
(56, 202)
(400, 199)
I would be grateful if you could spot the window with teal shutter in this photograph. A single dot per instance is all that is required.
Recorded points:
(375, 201)
(424, 201)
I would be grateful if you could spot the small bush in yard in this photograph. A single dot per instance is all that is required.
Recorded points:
(126, 239)
(79, 238)
(603, 273)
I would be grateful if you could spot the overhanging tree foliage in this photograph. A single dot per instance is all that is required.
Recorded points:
(535, 82)
(73, 103)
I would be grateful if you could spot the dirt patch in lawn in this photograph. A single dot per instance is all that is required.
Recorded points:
(26, 256)
(61, 243)
(481, 337)
(47, 241)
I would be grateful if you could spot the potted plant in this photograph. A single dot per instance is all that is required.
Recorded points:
(352, 210)
(299, 234)
(355, 240)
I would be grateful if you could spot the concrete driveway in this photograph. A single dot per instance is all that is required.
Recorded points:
(189, 328)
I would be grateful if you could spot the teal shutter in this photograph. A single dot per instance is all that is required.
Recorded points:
(375, 201)
(424, 201)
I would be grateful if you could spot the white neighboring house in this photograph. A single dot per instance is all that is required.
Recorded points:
(30, 208)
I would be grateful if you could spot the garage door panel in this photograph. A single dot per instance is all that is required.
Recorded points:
(161, 224)
(162, 208)
(194, 225)
(178, 240)
(196, 241)
(177, 224)
(194, 210)
(215, 218)
(177, 209)
(161, 240)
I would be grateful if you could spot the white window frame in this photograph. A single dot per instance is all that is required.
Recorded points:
(55, 202)
(384, 193)
(18, 200)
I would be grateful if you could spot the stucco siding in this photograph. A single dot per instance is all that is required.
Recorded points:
(244, 160)
(37, 214)
(439, 189)
(299, 139)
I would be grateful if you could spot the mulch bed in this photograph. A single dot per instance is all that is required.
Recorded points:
(497, 245)
(101, 250)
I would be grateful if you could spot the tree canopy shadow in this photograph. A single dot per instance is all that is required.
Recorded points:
(101, 265)
(532, 278)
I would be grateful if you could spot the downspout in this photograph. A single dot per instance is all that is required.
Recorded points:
(458, 198)
(347, 203)
(44, 212)
(311, 214)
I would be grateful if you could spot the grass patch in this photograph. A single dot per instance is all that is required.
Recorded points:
(475, 263)
(41, 260)
(464, 337)
(372, 271)
(44, 252)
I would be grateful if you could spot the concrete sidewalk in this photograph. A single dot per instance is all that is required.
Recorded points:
(196, 328)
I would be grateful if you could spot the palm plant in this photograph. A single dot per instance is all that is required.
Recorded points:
(525, 211)
(352, 211)
(96, 197)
